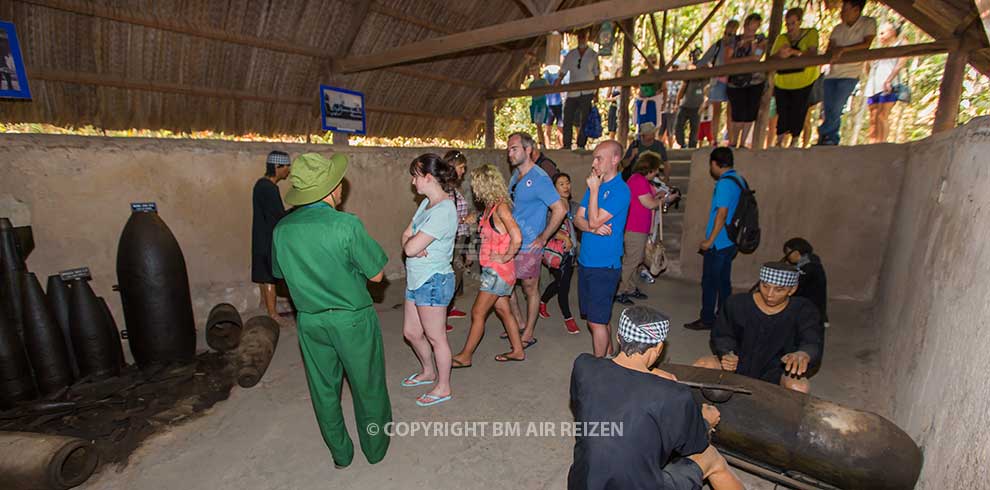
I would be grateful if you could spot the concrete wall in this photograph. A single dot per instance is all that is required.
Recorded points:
(841, 199)
(75, 192)
(933, 307)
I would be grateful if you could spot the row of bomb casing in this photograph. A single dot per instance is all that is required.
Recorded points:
(251, 345)
(48, 342)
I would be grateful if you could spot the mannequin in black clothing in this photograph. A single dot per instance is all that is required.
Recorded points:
(813, 283)
(268, 209)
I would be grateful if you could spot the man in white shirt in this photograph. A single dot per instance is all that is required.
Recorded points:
(582, 65)
(856, 31)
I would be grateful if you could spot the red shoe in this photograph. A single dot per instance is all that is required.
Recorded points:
(543, 310)
(449, 327)
(572, 327)
(455, 313)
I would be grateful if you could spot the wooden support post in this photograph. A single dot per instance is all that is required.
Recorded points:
(663, 39)
(628, 34)
(763, 117)
(341, 139)
(489, 124)
(622, 134)
(658, 37)
(950, 91)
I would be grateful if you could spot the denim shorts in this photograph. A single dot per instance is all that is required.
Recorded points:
(718, 92)
(493, 283)
(438, 290)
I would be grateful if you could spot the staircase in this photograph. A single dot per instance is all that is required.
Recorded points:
(673, 221)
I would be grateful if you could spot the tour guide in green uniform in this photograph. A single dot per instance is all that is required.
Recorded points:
(326, 258)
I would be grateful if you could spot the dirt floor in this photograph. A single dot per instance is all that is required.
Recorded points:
(267, 438)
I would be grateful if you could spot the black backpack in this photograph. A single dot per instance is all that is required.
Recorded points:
(744, 228)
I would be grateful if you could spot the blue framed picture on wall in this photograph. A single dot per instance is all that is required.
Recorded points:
(342, 110)
(13, 79)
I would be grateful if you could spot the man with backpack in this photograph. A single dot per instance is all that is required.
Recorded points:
(724, 231)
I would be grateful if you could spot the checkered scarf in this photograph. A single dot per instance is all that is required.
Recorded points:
(784, 275)
(278, 158)
(644, 325)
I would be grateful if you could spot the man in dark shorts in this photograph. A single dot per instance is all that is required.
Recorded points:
(533, 195)
(268, 209)
(652, 434)
(769, 334)
(602, 216)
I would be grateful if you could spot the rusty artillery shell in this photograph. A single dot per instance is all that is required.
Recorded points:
(258, 343)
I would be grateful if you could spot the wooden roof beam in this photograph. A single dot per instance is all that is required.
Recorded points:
(775, 64)
(92, 9)
(100, 80)
(508, 31)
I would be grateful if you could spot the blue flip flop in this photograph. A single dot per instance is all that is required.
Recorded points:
(433, 400)
(411, 381)
(529, 343)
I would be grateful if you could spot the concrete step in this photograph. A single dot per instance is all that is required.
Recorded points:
(682, 154)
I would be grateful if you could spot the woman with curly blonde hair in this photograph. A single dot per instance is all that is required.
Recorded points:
(500, 240)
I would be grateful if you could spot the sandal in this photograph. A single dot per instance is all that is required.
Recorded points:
(528, 343)
(428, 400)
(505, 336)
(455, 364)
(505, 358)
(411, 381)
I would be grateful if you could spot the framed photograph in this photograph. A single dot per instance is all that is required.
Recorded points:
(342, 110)
(13, 79)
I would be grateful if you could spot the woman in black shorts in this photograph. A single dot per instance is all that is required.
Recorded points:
(746, 89)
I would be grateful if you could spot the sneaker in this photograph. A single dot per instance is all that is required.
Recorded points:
(455, 313)
(697, 325)
(543, 310)
(646, 276)
(572, 327)
(449, 327)
(637, 294)
(623, 299)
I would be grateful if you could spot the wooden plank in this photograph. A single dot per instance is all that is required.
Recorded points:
(697, 31)
(528, 7)
(950, 91)
(489, 124)
(627, 34)
(508, 31)
(100, 80)
(763, 116)
(661, 39)
(909, 50)
(552, 6)
(92, 9)
(622, 133)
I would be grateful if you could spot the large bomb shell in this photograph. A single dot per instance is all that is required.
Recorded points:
(154, 291)
(223, 328)
(11, 266)
(794, 432)
(45, 462)
(43, 338)
(258, 343)
(91, 338)
(16, 382)
(58, 300)
(114, 332)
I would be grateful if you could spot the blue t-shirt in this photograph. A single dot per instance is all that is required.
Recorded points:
(554, 98)
(440, 222)
(531, 195)
(726, 196)
(606, 251)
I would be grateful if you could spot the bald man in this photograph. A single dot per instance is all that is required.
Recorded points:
(602, 216)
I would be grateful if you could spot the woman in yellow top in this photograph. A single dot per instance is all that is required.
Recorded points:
(792, 88)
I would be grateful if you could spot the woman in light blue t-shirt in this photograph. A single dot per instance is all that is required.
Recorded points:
(428, 243)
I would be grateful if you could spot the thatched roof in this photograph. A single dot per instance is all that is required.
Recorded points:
(241, 66)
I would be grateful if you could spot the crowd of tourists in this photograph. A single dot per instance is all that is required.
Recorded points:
(697, 105)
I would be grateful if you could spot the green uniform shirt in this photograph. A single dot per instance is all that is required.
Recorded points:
(326, 258)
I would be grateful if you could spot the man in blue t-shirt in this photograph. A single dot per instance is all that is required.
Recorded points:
(717, 248)
(602, 216)
(533, 194)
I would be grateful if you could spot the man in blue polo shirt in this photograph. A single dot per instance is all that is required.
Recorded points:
(533, 194)
(717, 248)
(602, 216)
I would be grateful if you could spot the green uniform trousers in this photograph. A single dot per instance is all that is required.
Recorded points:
(335, 343)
